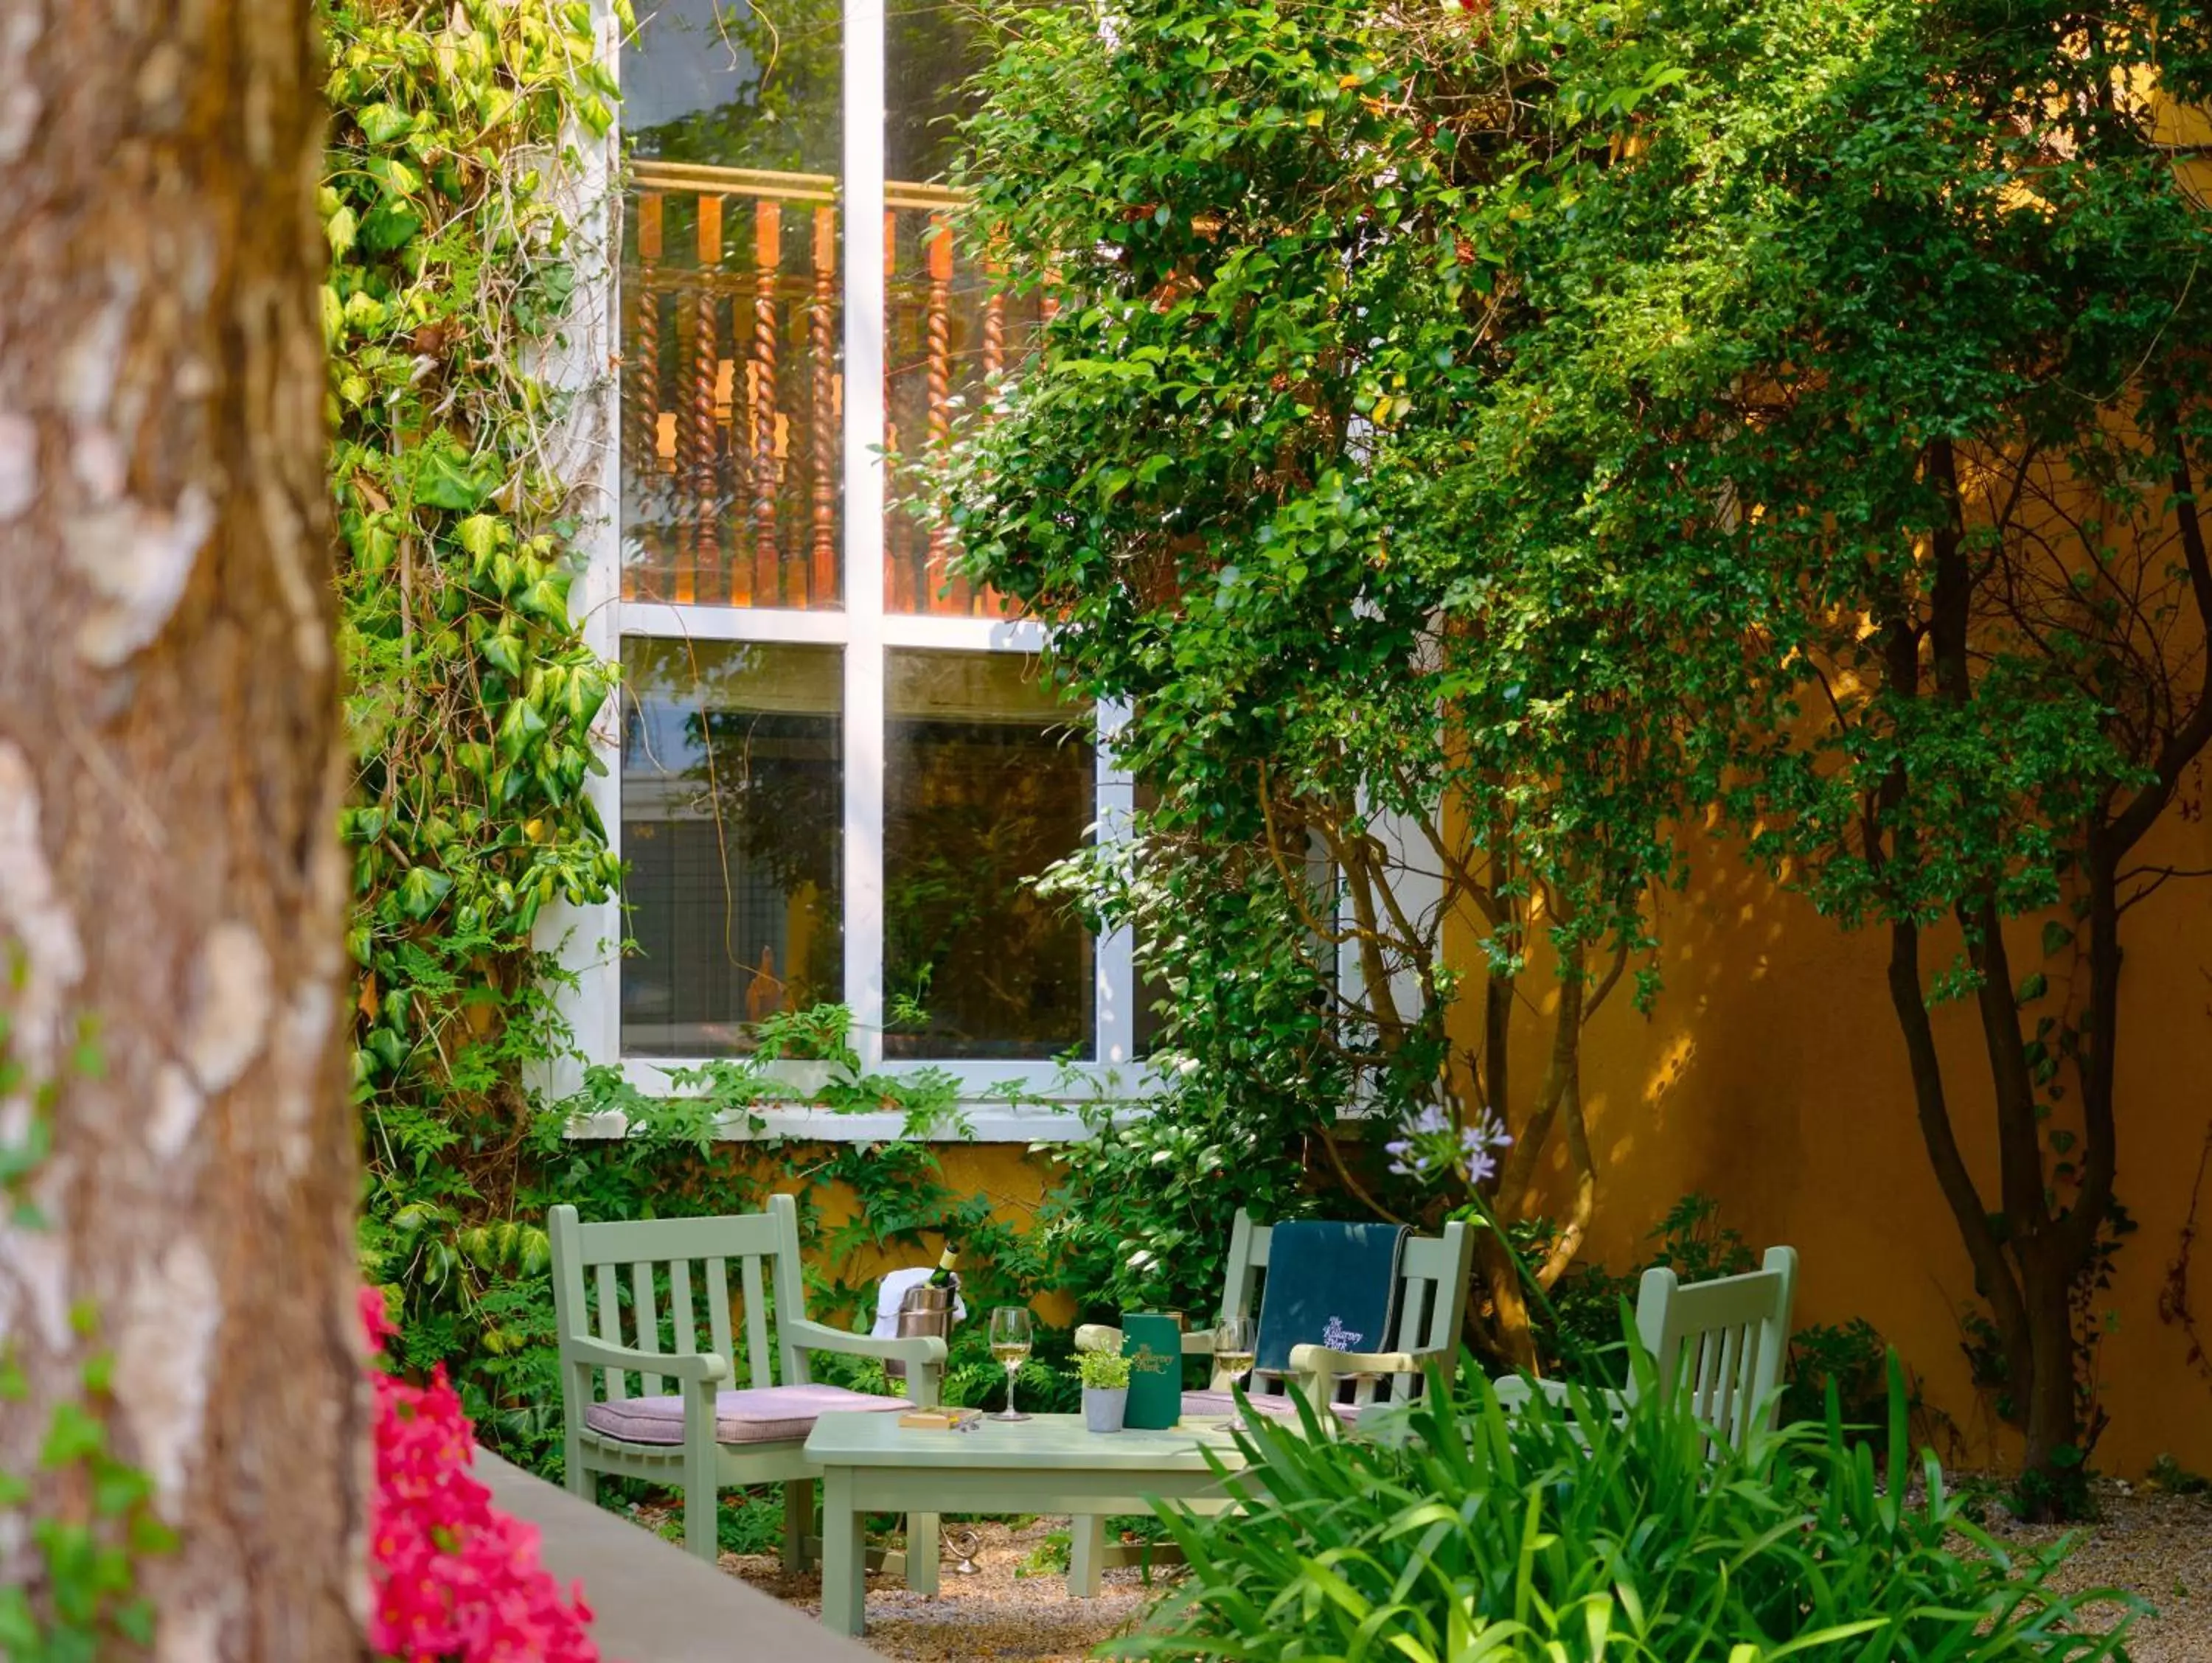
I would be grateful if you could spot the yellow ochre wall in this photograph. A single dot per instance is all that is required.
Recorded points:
(1771, 1075)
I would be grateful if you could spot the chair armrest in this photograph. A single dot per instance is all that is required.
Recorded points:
(1101, 1337)
(704, 1367)
(1316, 1359)
(1514, 1390)
(922, 1351)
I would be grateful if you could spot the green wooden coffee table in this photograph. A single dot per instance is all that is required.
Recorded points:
(1047, 1464)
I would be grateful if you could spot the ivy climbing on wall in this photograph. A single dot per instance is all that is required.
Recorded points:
(452, 202)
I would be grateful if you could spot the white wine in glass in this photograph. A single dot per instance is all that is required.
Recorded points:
(1232, 1348)
(1010, 1350)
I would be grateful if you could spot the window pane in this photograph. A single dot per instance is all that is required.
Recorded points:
(733, 829)
(730, 327)
(945, 334)
(987, 782)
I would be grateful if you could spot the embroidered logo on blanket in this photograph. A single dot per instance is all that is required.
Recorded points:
(1337, 1338)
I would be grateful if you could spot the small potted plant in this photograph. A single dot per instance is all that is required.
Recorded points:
(1105, 1389)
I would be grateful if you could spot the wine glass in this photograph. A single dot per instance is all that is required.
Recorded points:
(1010, 1348)
(1233, 1342)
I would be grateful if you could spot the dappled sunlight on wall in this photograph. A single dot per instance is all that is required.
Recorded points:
(1771, 1075)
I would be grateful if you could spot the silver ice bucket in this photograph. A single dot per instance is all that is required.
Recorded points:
(923, 1310)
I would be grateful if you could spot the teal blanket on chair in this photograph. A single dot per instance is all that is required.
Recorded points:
(1329, 1285)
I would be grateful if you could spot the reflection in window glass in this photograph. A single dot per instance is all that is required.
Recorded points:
(735, 85)
(932, 53)
(945, 334)
(732, 803)
(732, 324)
(987, 782)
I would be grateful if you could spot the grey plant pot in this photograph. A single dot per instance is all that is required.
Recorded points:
(1102, 1409)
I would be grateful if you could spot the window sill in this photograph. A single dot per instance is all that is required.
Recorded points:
(988, 1123)
(1053, 1115)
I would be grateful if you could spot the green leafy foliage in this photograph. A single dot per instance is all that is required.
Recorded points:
(472, 694)
(1219, 469)
(1103, 1371)
(1599, 419)
(1556, 1532)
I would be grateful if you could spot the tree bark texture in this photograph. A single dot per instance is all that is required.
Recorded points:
(170, 773)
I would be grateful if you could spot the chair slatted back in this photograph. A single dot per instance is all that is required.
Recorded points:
(608, 1281)
(1724, 1341)
(1433, 1276)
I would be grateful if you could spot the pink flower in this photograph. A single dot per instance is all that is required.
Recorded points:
(455, 1581)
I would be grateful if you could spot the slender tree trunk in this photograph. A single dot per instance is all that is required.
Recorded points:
(2049, 1406)
(170, 771)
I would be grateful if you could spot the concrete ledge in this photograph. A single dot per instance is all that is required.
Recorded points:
(652, 1602)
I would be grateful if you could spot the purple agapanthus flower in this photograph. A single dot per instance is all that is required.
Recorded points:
(1478, 1145)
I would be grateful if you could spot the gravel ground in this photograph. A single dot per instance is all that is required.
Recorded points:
(996, 1613)
(2156, 1545)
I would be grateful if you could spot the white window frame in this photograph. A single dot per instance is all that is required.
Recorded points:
(587, 938)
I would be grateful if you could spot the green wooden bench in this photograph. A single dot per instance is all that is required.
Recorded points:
(1724, 1341)
(709, 1434)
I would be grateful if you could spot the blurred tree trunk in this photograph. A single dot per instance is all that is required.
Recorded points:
(171, 889)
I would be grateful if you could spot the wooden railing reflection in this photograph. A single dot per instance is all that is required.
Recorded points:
(733, 390)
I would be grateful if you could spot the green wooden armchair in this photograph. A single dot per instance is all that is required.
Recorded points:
(709, 1434)
(1433, 1275)
(1724, 1340)
(1433, 1271)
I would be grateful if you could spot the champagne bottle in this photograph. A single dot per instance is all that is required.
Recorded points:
(942, 1277)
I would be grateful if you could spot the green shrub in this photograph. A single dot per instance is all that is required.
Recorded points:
(1579, 1333)
(1851, 1357)
(1558, 1535)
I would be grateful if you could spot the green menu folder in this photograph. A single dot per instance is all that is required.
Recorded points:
(1153, 1345)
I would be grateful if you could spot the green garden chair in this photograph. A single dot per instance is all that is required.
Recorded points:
(1432, 1271)
(701, 1437)
(1725, 1340)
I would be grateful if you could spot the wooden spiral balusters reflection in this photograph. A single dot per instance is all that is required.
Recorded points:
(642, 390)
(823, 321)
(938, 329)
(767, 263)
(732, 442)
(704, 552)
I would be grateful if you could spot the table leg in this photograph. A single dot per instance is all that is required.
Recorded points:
(844, 1557)
(1086, 1554)
(922, 1547)
(798, 1525)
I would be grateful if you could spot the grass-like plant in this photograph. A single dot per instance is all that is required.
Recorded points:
(1463, 1535)
(1103, 1371)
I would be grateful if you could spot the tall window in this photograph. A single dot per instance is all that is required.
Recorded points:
(840, 768)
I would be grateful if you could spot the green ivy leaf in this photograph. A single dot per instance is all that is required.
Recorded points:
(339, 229)
(382, 124)
(503, 651)
(421, 891)
(444, 479)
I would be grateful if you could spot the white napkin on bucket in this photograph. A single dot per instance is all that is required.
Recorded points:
(892, 1290)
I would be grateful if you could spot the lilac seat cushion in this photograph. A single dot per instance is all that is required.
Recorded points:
(762, 1414)
(1212, 1405)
